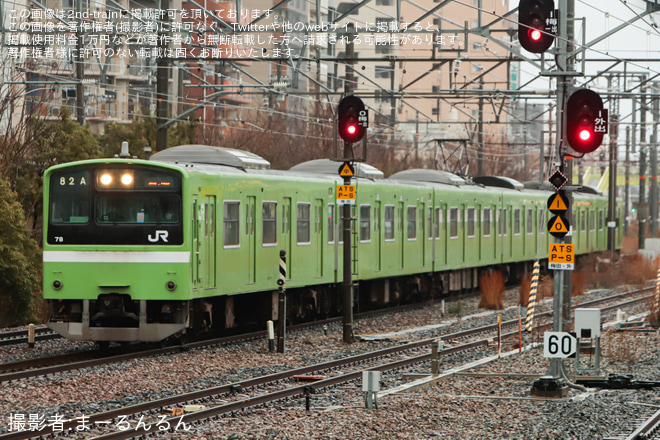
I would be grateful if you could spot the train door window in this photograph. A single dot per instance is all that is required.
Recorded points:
(516, 221)
(286, 216)
(501, 222)
(437, 223)
(269, 223)
(469, 220)
(453, 222)
(303, 219)
(377, 220)
(530, 221)
(541, 221)
(331, 223)
(231, 224)
(485, 221)
(365, 223)
(583, 220)
(600, 220)
(389, 223)
(429, 223)
(592, 221)
(412, 223)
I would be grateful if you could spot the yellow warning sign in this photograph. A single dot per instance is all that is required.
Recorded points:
(561, 256)
(346, 194)
(558, 226)
(346, 170)
(557, 203)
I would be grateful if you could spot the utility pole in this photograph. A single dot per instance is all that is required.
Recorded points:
(80, 71)
(653, 195)
(642, 210)
(626, 196)
(162, 81)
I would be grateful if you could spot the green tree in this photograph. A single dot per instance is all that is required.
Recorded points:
(65, 141)
(20, 263)
(140, 132)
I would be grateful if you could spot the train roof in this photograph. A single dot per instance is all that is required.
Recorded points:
(207, 155)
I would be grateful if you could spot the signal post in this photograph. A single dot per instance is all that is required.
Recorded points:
(581, 123)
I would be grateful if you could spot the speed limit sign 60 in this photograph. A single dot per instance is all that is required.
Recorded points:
(558, 344)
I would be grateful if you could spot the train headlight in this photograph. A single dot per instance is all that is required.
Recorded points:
(106, 179)
(171, 285)
(126, 179)
(57, 284)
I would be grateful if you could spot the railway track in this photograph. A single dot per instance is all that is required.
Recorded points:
(163, 414)
(16, 337)
(646, 427)
(74, 361)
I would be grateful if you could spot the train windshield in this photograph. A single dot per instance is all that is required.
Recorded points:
(115, 205)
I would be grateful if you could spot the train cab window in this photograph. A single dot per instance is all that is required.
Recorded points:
(412, 223)
(600, 220)
(389, 223)
(70, 197)
(470, 217)
(429, 223)
(231, 224)
(453, 222)
(485, 221)
(365, 223)
(269, 223)
(438, 221)
(516, 221)
(541, 221)
(530, 221)
(303, 223)
(331, 223)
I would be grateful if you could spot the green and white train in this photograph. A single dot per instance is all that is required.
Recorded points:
(140, 250)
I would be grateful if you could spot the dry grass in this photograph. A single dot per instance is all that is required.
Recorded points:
(578, 281)
(492, 291)
(621, 347)
(525, 287)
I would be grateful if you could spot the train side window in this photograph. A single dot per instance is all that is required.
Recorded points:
(331, 223)
(365, 223)
(412, 223)
(231, 224)
(530, 221)
(470, 214)
(453, 222)
(269, 223)
(389, 223)
(600, 220)
(303, 220)
(516, 221)
(541, 221)
(485, 220)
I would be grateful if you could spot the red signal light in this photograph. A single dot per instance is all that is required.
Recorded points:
(586, 121)
(535, 34)
(352, 119)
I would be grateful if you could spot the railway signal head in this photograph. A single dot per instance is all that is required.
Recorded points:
(352, 119)
(535, 18)
(586, 121)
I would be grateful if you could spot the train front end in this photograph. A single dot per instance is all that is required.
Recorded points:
(115, 260)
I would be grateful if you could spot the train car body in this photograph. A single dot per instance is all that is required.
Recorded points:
(142, 250)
